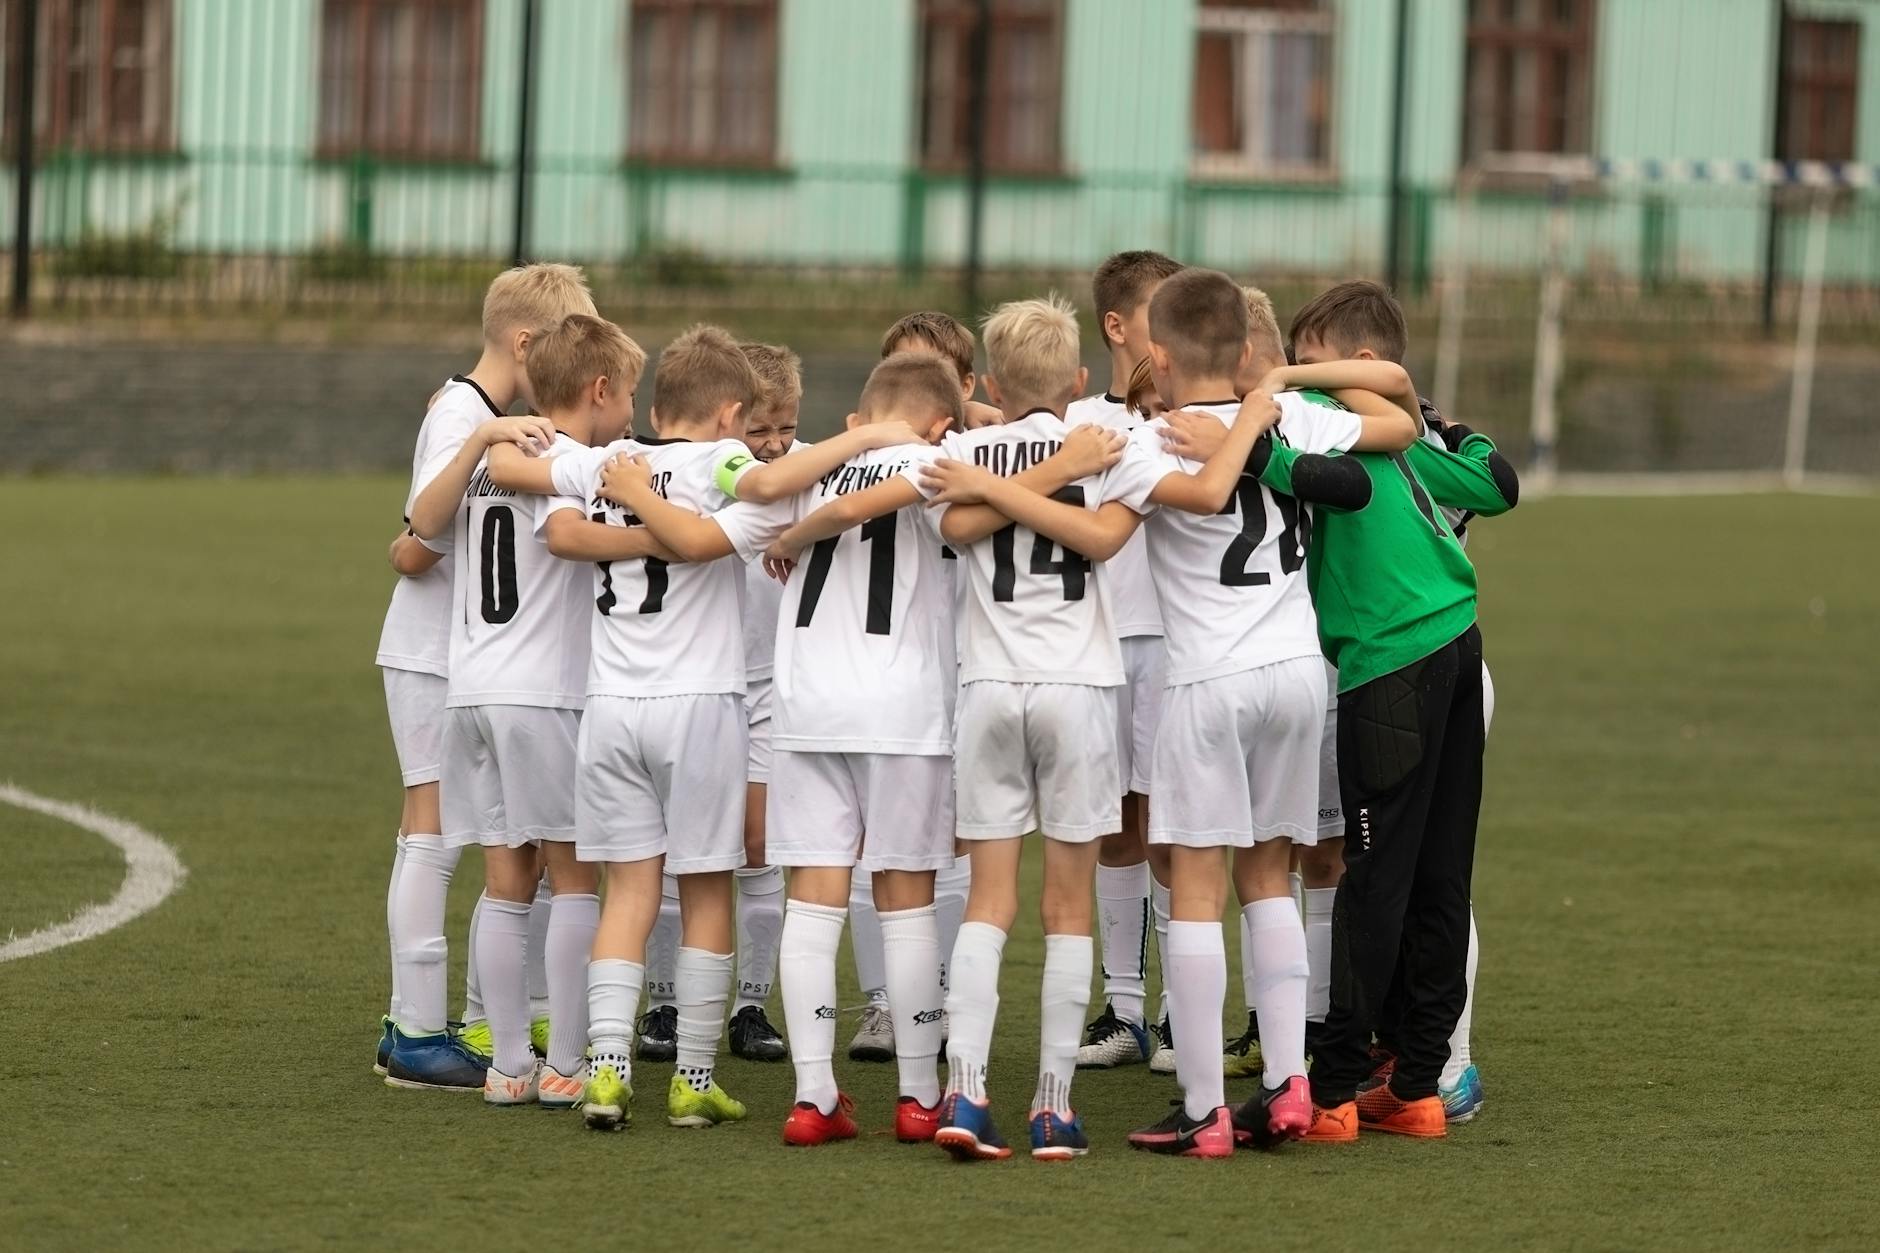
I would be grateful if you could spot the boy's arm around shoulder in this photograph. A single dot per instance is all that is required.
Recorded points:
(1087, 450)
(575, 538)
(1471, 474)
(794, 472)
(410, 556)
(1206, 491)
(437, 503)
(846, 512)
(627, 481)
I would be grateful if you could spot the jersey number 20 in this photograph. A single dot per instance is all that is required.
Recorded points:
(1294, 528)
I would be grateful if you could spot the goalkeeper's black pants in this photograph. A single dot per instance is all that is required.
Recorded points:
(1410, 777)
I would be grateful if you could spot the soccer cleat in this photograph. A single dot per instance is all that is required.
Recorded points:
(1336, 1124)
(874, 1039)
(808, 1125)
(538, 1036)
(1110, 1042)
(385, 1046)
(1056, 1139)
(522, 1089)
(431, 1061)
(1274, 1115)
(1464, 1101)
(1383, 1065)
(1380, 1109)
(1162, 1061)
(474, 1039)
(659, 1034)
(559, 1091)
(1241, 1058)
(686, 1106)
(915, 1123)
(1178, 1134)
(605, 1098)
(754, 1039)
(966, 1131)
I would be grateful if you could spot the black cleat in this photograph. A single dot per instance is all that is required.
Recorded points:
(659, 1034)
(1241, 1057)
(754, 1039)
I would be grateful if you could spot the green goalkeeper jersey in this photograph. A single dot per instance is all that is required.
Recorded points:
(1389, 579)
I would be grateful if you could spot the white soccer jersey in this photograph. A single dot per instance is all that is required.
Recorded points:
(1037, 612)
(519, 633)
(762, 596)
(416, 635)
(1132, 591)
(663, 629)
(865, 640)
(1232, 585)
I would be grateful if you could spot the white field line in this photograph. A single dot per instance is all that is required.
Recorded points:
(151, 873)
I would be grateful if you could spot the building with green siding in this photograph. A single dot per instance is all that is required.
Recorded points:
(1251, 134)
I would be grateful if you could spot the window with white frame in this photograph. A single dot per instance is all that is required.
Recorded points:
(1263, 88)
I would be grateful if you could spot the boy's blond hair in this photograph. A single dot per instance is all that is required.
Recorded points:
(565, 360)
(1032, 351)
(700, 373)
(912, 382)
(942, 332)
(1199, 317)
(1141, 389)
(781, 372)
(1263, 326)
(534, 298)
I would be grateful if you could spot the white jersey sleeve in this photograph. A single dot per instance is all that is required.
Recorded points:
(1311, 427)
(1132, 592)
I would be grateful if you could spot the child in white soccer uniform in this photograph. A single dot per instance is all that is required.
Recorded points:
(415, 1049)
(519, 656)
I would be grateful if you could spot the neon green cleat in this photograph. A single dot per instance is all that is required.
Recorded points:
(1240, 1058)
(606, 1099)
(686, 1106)
(475, 1039)
(538, 1036)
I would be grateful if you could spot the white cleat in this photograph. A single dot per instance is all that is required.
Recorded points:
(558, 1091)
(1162, 1061)
(502, 1089)
(1110, 1042)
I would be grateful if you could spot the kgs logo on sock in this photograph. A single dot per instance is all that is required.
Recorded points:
(925, 1016)
(825, 1012)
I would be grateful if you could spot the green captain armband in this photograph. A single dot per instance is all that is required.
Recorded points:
(727, 475)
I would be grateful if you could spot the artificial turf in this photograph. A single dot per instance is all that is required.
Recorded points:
(1676, 891)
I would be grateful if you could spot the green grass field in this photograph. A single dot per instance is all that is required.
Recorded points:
(1676, 888)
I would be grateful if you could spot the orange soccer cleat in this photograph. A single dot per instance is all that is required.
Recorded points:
(1380, 1109)
(1337, 1124)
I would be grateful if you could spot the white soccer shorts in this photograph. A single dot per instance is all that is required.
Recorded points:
(414, 701)
(1237, 758)
(1139, 708)
(663, 775)
(509, 775)
(882, 811)
(757, 762)
(1037, 757)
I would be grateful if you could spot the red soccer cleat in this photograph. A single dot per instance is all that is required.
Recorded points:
(915, 1123)
(808, 1125)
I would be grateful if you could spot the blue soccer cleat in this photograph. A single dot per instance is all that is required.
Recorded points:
(385, 1046)
(1055, 1139)
(1464, 1101)
(431, 1061)
(966, 1131)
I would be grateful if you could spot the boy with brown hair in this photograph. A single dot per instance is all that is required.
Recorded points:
(413, 654)
(517, 660)
(1129, 894)
(944, 335)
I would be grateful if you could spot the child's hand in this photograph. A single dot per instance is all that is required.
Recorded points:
(1193, 436)
(891, 434)
(1275, 381)
(955, 482)
(622, 475)
(978, 415)
(532, 434)
(1090, 449)
(1259, 408)
(779, 560)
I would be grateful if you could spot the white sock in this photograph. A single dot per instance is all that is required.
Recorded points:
(613, 992)
(871, 969)
(701, 985)
(950, 887)
(760, 928)
(1158, 908)
(1296, 891)
(391, 926)
(1123, 922)
(973, 1004)
(1459, 1057)
(1247, 982)
(1279, 985)
(910, 941)
(418, 934)
(502, 960)
(1319, 951)
(1197, 979)
(538, 948)
(662, 946)
(572, 920)
(1063, 1002)
(811, 936)
(472, 983)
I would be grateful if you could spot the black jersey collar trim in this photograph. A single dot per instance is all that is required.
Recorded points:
(1115, 400)
(654, 441)
(1209, 404)
(1032, 413)
(464, 378)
